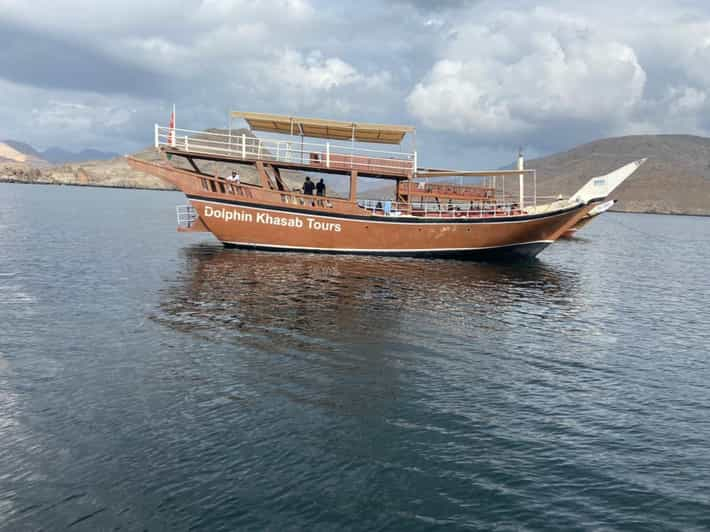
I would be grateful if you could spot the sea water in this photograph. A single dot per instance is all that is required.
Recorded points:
(155, 380)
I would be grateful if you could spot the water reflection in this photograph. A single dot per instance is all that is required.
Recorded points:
(327, 297)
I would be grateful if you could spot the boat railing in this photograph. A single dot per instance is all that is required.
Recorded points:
(326, 155)
(442, 210)
(444, 189)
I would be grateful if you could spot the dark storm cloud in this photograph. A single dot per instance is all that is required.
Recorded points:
(40, 60)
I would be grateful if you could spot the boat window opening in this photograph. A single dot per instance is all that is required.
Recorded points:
(213, 187)
(204, 184)
(221, 187)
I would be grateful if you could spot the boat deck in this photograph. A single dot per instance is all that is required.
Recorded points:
(315, 156)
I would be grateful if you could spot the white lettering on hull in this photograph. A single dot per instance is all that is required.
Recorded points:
(228, 215)
(238, 215)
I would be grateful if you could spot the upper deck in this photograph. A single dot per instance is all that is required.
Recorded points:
(298, 145)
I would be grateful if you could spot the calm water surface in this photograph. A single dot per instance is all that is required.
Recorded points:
(153, 380)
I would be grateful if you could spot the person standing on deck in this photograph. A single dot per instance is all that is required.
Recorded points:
(320, 188)
(308, 186)
(235, 177)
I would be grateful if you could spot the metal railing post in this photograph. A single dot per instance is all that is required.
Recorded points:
(157, 136)
(327, 154)
(244, 146)
(521, 166)
(187, 147)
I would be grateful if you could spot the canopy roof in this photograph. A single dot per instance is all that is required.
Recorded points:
(325, 129)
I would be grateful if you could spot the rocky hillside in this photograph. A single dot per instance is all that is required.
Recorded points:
(115, 172)
(112, 173)
(19, 153)
(53, 155)
(674, 179)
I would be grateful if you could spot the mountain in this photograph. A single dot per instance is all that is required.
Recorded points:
(23, 148)
(113, 172)
(59, 155)
(20, 153)
(674, 179)
(53, 155)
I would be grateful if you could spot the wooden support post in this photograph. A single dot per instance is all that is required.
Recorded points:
(263, 177)
(279, 181)
(192, 163)
(353, 185)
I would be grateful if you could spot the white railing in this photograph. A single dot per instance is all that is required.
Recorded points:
(442, 210)
(319, 154)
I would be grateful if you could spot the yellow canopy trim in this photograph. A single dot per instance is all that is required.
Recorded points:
(325, 129)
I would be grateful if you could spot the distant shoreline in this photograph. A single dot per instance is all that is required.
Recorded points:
(659, 213)
(4, 179)
(94, 185)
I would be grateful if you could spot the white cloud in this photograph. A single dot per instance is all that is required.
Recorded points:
(215, 55)
(478, 76)
(513, 72)
(293, 70)
(74, 119)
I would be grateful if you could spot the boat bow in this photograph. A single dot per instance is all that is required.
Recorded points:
(601, 186)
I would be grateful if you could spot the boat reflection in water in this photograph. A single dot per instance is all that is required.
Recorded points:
(349, 334)
(236, 294)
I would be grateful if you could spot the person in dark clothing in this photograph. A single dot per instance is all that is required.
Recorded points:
(320, 188)
(308, 186)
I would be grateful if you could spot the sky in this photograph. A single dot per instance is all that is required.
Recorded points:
(477, 78)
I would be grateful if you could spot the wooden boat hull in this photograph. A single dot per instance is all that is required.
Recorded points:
(258, 218)
(243, 225)
(591, 215)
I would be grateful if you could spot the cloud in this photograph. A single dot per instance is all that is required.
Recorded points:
(315, 83)
(30, 57)
(478, 78)
(75, 119)
(508, 76)
(225, 54)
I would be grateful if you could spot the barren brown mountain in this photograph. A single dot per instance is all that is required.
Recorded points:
(675, 178)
